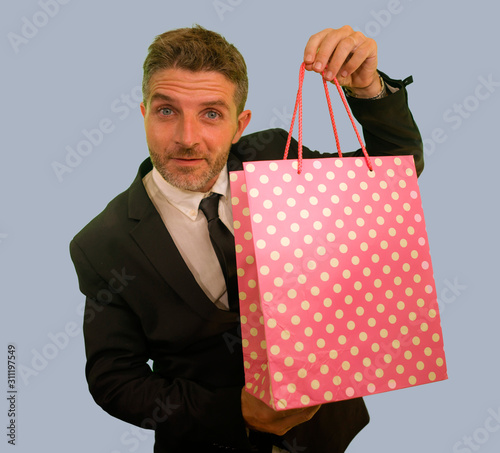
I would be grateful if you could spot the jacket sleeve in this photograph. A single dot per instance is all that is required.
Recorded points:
(388, 125)
(123, 384)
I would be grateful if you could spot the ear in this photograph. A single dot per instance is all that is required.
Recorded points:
(243, 120)
(143, 109)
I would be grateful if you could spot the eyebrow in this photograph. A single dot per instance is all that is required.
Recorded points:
(164, 97)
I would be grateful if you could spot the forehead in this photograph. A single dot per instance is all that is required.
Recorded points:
(200, 85)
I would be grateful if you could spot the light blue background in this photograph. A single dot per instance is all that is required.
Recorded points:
(71, 75)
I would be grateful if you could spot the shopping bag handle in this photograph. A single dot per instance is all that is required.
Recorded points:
(298, 106)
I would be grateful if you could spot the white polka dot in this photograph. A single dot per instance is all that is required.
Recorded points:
(264, 270)
(261, 244)
(268, 204)
(311, 265)
(317, 164)
(295, 227)
(282, 308)
(281, 216)
(300, 189)
(313, 201)
(298, 253)
(343, 186)
(257, 218)
(317, 226)
(275, 256)
(264, 179)
(268, 297)
(309, 177)
(250, 168)
(322, 188)
(327, 212)
(287, 177)
(254, 193)
(291, 202)
(273, 166)
(308, 239)
(285, 242)
(271, 229)
(277, 191)
(339, 163)
(304, 213)
(330, 175)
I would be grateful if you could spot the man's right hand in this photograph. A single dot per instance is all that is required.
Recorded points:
(260, 417)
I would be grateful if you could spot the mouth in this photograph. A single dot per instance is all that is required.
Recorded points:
(187, 160)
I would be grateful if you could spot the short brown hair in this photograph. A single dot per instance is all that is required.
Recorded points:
(197, 49)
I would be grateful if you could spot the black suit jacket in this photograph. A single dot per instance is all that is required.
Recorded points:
(144, 304)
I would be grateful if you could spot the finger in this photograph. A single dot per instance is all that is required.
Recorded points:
(328, 47)
(344, 52)
(312, 47)
(365, 54)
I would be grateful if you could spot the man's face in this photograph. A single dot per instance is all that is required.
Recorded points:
(191, 121)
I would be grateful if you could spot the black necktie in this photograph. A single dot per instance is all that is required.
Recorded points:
(223, 244)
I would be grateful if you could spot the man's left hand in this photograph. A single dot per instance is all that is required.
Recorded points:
(348, 55)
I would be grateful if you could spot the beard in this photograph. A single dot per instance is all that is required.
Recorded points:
(188, 178)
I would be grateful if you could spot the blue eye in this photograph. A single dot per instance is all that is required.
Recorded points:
(166, 111)
(212, 115)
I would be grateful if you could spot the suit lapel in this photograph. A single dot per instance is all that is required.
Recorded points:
(155, 241)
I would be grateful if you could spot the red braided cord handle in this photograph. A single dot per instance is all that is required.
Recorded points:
(298, 106)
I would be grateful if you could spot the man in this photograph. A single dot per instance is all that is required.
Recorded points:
(154, 286)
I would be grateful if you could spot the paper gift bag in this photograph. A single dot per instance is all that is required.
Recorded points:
(337, 297)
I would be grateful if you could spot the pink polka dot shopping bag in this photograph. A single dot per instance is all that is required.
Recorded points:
(337, 295)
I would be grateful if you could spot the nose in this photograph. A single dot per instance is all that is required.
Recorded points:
(188, 133)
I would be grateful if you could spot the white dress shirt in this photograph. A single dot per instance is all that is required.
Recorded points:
(179, 210)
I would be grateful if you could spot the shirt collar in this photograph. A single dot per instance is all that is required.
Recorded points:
(187, 201)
